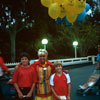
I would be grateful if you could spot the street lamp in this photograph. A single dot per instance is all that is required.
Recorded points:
(44, 42)
(75, 44)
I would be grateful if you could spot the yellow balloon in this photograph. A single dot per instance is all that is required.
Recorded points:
(54, 10)
(46, 3)
(62, 11)
(69, 5)
(80, 6)
(58, 1)
(71, 19)
(62, 15)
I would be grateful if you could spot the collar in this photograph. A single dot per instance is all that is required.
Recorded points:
(45, 65)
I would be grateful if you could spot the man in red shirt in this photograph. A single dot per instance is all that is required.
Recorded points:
(60, 83)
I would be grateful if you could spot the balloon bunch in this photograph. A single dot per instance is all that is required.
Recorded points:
(66, 10)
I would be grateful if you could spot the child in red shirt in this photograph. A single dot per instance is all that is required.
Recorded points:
(60, 83)
(24, 78)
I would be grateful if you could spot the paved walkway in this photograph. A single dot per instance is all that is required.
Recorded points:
(80, 76)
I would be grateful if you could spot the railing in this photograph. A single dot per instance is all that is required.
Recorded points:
(65, 62)
(12, 64)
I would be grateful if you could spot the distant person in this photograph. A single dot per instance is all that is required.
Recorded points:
(3, 68)
(91, 81)
(60, 83)
(95, 77)
(98, 58)
(98, 65)
(24, 79)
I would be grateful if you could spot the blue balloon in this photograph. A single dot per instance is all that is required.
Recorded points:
(59, 20)
(81, 16)
(67, 23)
(87, 7)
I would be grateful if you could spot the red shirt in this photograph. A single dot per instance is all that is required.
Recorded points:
(24, 77)
(48, 63)
(4, 67)
(60, 84)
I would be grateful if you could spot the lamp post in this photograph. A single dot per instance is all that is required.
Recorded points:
(44, 42)
(75, 44)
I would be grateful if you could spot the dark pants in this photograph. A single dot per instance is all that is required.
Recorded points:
(3, 89)
(25, 91)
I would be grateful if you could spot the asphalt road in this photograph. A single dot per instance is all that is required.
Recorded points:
(79, 76)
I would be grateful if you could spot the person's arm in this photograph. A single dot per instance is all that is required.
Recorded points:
(31, 90)
(20, 95)
(34, 81)
(98, 59)
(52, 69)
(2, 64)
(34, 65)
(98, 64)
(69, 89)
(66, 71)
(69, 85)
(14, 81)
(54, 93)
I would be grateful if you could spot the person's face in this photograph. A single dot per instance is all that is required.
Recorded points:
(58, 68)
(42, 58)
(98, 50)
(24, 61)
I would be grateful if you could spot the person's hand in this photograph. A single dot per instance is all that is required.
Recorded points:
(66, 71)
(29, 94)
(68, 98)
(16, 68)
(10, 81)
(58, 97)
(20, 95)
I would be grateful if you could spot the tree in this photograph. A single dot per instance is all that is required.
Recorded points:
(13, 19)
(23, 13)
(85, 33)
(95, 8)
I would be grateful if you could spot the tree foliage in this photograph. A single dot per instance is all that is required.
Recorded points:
(85, 33)
(13, 19)
(17, 16)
